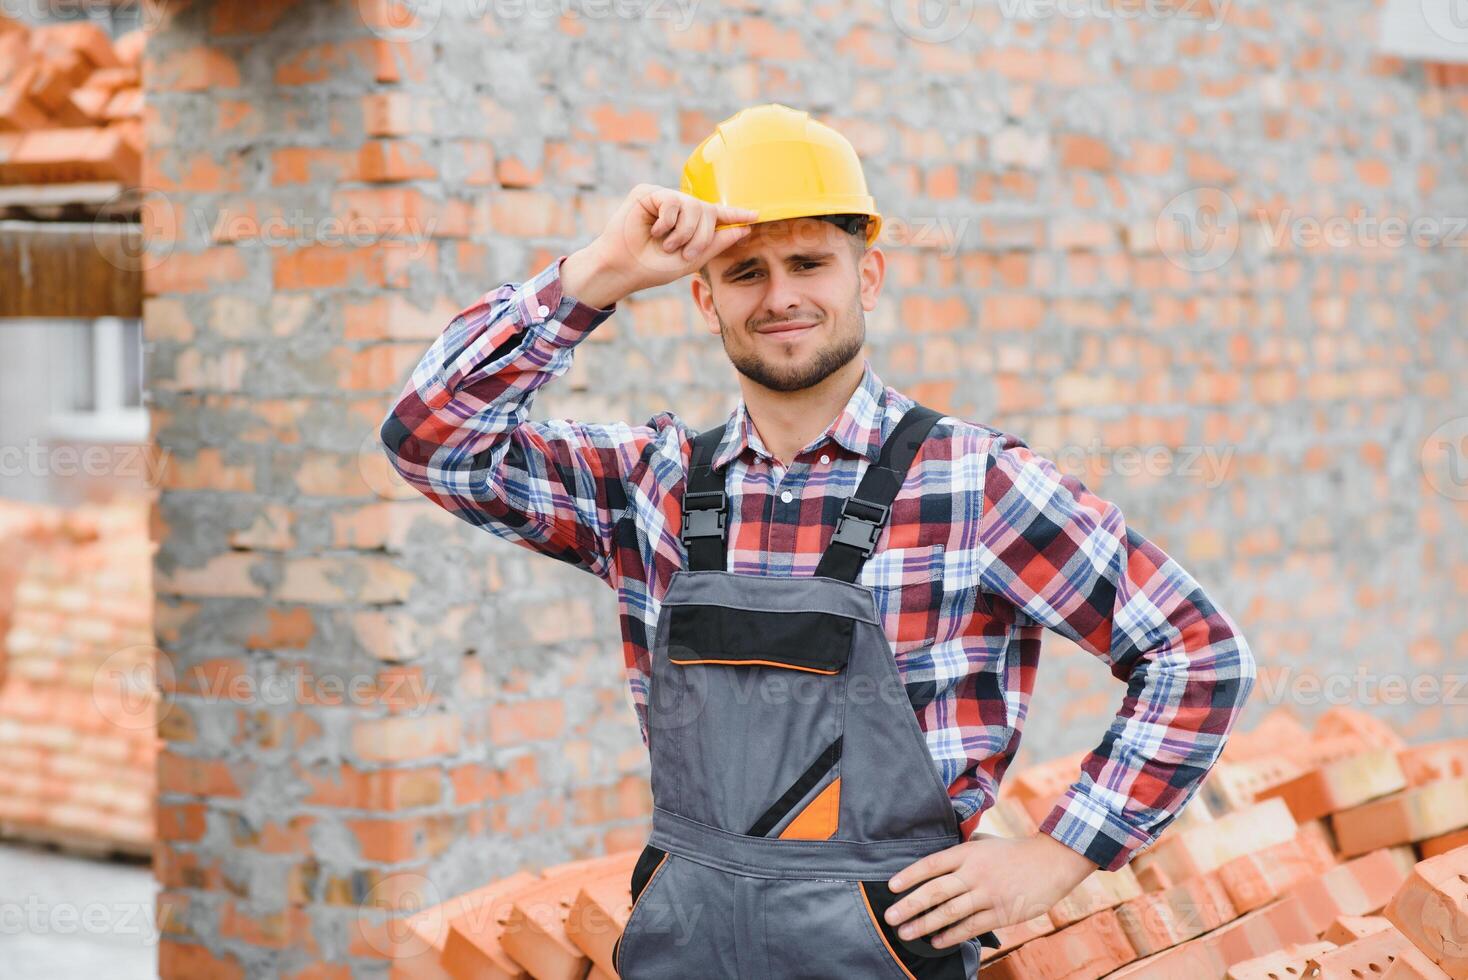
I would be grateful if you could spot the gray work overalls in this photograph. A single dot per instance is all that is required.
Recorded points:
(790, 779)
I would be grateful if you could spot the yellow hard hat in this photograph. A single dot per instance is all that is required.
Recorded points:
(782, 163)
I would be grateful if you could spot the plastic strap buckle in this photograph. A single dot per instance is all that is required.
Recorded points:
(704, 515)
(858, 531)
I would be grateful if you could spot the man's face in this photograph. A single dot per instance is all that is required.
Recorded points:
(789, 301)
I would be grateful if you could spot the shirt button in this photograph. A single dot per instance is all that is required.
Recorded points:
(785, 496)
(543, 311)
(825, 458)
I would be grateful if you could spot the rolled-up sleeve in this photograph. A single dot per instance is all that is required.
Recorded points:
(460, 431)
(1066, 559)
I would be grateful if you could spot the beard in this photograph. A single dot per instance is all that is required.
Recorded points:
(826, 361)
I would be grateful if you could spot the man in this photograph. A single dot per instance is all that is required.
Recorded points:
(830, 533)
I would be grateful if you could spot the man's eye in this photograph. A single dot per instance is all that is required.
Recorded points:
(755, 272)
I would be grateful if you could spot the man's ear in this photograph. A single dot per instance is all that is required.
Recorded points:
(871, 271)
(703, 297)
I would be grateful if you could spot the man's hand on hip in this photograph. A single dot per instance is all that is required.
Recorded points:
(982, 884)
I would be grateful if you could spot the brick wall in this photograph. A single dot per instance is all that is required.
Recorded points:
(78, 711)
(1025, 169)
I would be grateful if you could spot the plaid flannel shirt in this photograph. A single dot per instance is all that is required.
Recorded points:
(988, 544)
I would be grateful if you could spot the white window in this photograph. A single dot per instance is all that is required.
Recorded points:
(97, 381)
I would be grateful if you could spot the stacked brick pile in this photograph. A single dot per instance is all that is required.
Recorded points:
(78, 723)
(1337, 852)
(71, 104)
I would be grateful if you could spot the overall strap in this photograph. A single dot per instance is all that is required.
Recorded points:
(865, 512)
(705, 506)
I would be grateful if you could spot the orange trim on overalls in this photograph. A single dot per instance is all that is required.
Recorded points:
(617, 949)
(818, 820)
(876, 924)
(766, 663)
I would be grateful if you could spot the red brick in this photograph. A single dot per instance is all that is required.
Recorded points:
(1254, 880)
(83, 37)
(1194, 959)
(1412, 964)
(1367, 957)
(390, 160)
(385, 790)
(1340, 785)
(1434, 846)
(66, 155)
(1017, 934)
(1424, 811)
(1431, 910)
(196, 69)
(194, 272)
(1157, 920)
(129, 47)
(1359, 887)
(1099, 890)
(1273, 927)
(1344, 721)
(180, 961)
(472, 930)
(1438, 760)
(1349, 928)
(1082, 152)
(1281, 964)
(1184, 852)
(1087, 950)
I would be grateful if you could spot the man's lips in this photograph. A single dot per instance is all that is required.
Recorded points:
(787, 326)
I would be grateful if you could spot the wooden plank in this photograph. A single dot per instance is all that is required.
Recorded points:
(71, 269)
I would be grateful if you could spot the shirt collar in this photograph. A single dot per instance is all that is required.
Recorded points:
(857, 428)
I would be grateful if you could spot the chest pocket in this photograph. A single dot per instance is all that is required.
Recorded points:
(908, 586)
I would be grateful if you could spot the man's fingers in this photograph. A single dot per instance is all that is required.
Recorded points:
(701, 236)
(683, 230)
(967, 928)
(725, 237)
(937, 863)
(925, 897)
(955, 909)
(729, 214)
(668, 210)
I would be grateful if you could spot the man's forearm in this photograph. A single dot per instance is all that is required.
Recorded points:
(586, 277)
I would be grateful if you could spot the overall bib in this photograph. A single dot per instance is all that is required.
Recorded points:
(790, 778)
